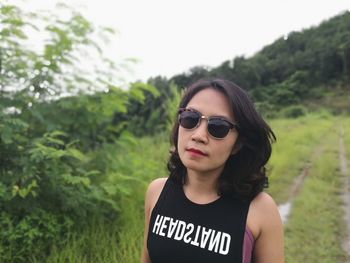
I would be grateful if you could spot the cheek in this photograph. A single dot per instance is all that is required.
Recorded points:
(181, 143)
(225, 152)
(226, 149)
(182, 137)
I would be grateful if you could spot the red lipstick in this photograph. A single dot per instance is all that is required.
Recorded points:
(196, 151)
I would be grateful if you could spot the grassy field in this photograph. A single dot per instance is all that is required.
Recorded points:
(346, 124)
(314, 229)
(311, 238)
(297, 141)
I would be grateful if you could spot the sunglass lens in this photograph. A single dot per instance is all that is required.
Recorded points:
(218, 128)
(189, 119)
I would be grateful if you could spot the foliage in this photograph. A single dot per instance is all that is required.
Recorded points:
(57, 124)
(294, 111)
(156, 112)
(120, 240)
(30, 235)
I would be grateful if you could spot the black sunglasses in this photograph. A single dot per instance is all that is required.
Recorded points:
(218, 127)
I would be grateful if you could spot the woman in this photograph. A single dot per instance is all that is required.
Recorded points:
(212, 207)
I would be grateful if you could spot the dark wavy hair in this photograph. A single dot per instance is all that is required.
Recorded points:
(244, 172)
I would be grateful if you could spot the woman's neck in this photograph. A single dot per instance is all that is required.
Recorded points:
(201, 188)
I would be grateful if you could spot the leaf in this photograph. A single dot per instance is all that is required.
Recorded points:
(76, 180)
(109, 30)
(23, 192)
(76, 154)
(111, 190)
(72, 143)
(56, 133)
(54, 141)
(92, 173)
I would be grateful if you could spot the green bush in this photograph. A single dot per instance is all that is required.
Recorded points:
(266, 109)
(293, 111)
(57, 168)
(31, 235)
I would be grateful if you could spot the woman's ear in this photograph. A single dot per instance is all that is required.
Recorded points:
(238, 145)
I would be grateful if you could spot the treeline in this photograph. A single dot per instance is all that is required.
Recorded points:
(294, 69)
(312, 58)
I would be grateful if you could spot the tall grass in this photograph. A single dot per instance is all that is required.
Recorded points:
(97, 243)
(313, 231)
(154, 154)
(121, 240)
(346, 125)
(297, 139)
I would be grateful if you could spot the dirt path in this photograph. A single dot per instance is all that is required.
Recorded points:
(345, 193)
(286, 207)
(299, 180)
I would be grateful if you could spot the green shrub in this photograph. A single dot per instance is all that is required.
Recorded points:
(31, 235)
(266, 109)
(294, 111)
(55, 167)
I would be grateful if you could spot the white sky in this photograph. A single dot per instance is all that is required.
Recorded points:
(170, 37)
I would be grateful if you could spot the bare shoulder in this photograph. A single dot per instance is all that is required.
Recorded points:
(263, 214)
(263, 201)
(156, 186)
(267, 223)
(153, 191)
(265, 208)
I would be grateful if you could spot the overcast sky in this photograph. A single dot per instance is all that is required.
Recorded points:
(169, 37)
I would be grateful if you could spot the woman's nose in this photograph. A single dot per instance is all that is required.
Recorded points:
(200, 134)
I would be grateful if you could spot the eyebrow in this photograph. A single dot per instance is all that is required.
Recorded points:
(220, 116)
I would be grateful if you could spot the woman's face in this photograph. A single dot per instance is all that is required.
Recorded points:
(198, 150)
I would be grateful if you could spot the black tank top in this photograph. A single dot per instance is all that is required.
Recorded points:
(185, 232)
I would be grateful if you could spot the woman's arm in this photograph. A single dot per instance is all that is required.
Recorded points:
(269, 244)
(151, 197)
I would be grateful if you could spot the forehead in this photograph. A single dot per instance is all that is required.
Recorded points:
(211, 102)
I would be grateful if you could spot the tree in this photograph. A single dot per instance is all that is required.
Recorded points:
(56, 122)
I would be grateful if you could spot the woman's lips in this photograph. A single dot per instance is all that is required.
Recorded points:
(196, 151)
